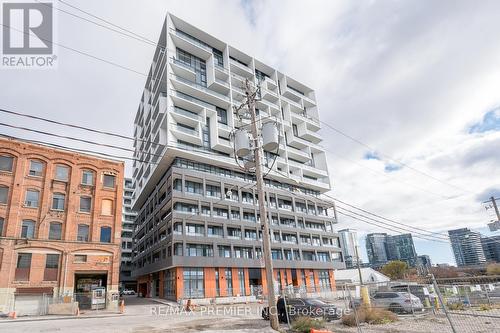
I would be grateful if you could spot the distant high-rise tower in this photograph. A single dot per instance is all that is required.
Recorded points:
(467, 247)
(376, 248)
(349, 243)
(401, 247)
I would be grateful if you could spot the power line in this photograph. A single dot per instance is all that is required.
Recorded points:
(110, 23)
(140, 39)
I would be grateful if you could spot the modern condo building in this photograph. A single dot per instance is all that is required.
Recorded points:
(128, 219)
(198, 231)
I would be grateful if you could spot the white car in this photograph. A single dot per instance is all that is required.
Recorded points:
(128, 292)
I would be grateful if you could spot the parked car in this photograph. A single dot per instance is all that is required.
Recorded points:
(417, 290)
(308, 307)
(127, 292)
(398, 302)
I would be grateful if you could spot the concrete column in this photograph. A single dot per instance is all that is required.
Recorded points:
(209, 277)
(179, 283)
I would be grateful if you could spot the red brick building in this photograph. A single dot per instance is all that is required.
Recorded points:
(60, 224)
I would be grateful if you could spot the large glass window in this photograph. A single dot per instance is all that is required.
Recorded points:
(85, 204)
(229, 281)
(4, 194)
(32, 197)
(197, 64)
(195, 229)
(23, 260)
(58, 200)
(55, 230)
(213, 191)
(83, 233)
(224, 251)
(2, 220)
(324, 280)
(241, 280)
(105, 235)
(6, 163)
(199, 250)
(194, 286)
(87, 177)
(218, 57)
(51, 267)
(28, 229)
(108, 181)
(193, 187)
(169, 283)
(62, 173)
(36, 168)
(107, 207)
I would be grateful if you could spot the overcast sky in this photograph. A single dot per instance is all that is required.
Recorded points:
(418, 81)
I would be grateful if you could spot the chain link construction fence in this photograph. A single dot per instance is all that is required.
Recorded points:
(400, 306)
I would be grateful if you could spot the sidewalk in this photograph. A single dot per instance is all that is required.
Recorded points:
(83, 315)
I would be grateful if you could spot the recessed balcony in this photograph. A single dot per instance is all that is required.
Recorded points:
(191, 45)
(240, 69)
(200, 92)
(186, 134)
(297, 154)
(186, 117)
(183, 69)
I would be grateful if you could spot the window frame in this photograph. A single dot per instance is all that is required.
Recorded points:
(54, 200)
(29, 235)
(110, 208)
(6, 194)
(87, 171)
(59, 225)
(11, 162)
(31, 169)
(78, 232)
(80, 204)
(105, 228)
(104, 177)
(63, 166)
(26, 198)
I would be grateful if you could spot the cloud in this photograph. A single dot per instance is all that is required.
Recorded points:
(490, 122)
(404, 77)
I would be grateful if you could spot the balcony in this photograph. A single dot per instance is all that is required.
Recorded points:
(182, 69)
(298, 154)
(186, 117)
(309, 135)
(199, 91)
(187, 134)
(190, 44)
(240, 69)
(310, 169)
(189, 102)
(223, 145)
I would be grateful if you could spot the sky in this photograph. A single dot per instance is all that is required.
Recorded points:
(416, 82)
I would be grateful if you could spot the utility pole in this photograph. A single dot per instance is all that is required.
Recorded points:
(359, 267)
(250, 101)
(494, 202)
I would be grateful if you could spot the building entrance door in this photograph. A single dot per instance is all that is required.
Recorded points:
(90, 290)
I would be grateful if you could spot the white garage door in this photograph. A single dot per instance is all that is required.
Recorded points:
(29, 305)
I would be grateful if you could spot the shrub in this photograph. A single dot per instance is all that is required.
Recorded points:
(455, 306)
(485, 307)
(370, 316)
(305, 324)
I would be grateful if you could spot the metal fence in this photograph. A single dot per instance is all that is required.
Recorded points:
(402, 306)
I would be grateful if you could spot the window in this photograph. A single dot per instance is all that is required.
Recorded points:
(85, 204)
(105, 235)
(224, 251)
(213, 191)
(80, 258)
(195, 229)
(58, 201)
(83, 233)
(193, 283)
(199, 250)
(178, 250)
(215, 231)
(62, 173)
(51, 267)
(87, 177)
(28, 229)
(243, 252)
(193, 187)
(23, 267)
(4, 194)
(6, 163)
(241, 280)
(229, 281)
(108, 181)
(324, 280)
(36, 168)
(295, 130)
(55, 230)
(276, 254)
(107, 207)
(221, 115)
(32, 198)
(1, 226)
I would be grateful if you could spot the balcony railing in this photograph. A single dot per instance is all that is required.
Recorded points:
(182, 64)
(201, 87)
(191, 39)
(186, 130)
(188, 114)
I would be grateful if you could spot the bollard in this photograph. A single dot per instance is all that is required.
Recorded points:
(436, 303)
(122, 306)
(13, 315)
(365, 297)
